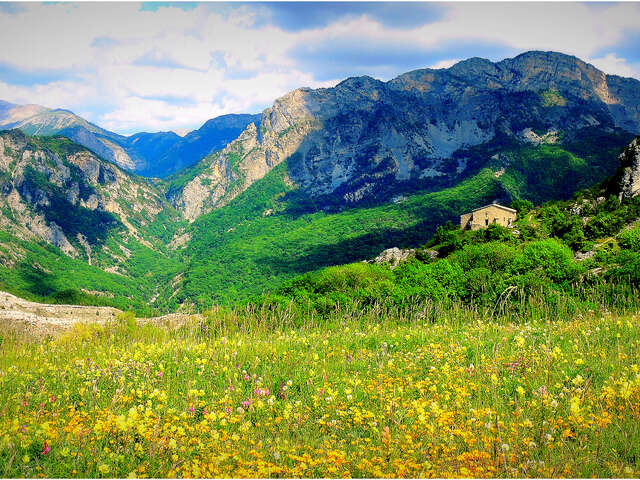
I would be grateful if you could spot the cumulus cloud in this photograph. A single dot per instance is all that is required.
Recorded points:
(169, 65)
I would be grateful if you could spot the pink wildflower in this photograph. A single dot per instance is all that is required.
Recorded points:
(46, 449)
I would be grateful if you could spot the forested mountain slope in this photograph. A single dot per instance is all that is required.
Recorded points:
(64, 210)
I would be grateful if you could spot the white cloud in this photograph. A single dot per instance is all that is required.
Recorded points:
(614, 65)
(106, 59)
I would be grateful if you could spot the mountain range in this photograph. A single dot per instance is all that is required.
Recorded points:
(321, 177)
(150, 154)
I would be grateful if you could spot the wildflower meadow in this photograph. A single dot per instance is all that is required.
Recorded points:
(352, 396)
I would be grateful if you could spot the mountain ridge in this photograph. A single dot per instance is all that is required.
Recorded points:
(156, 154)
(347, 140)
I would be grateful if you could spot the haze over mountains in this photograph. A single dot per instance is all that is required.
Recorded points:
(322, 177)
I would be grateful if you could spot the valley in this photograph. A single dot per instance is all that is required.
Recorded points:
(322, 178)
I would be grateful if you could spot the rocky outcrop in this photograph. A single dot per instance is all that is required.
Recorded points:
(394, 256)
(630, 170)
(63, 194)
(366, 140)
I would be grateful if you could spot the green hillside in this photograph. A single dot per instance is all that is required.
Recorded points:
(271, 233)
(575, 253)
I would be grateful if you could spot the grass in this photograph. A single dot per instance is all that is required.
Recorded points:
(425, 390)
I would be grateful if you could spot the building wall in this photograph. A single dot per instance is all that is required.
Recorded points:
(486, 216)
(465, 221)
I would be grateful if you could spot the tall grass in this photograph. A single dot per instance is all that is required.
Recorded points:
(529, 386)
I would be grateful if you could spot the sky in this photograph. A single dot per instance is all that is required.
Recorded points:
(159, 66)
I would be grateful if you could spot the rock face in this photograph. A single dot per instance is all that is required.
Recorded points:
(630, 170)
(65, 195)
(365, 139)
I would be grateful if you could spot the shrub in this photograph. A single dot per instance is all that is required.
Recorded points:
(494, 256)
(630, 239)
(551, 257)
(522, 206)
(438, 280)
(603, 224)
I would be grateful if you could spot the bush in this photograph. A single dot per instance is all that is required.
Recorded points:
(628, 267)
(495, 232)
(437, 281)
(630, 239)
(551, 257)
(522, 206)
(493, 256)
(604, 224)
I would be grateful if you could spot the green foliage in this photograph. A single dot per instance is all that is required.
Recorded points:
(239, 251)
(236, 252)
(492, 267)
(522, 206)
(552, 98)
(630, 239)
(548, 257)
(494, 232)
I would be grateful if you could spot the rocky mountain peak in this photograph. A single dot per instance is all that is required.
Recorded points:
(473, 67)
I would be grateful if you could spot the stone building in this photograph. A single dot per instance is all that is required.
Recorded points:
(484, 216)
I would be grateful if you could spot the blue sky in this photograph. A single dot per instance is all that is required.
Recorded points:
(170, 66)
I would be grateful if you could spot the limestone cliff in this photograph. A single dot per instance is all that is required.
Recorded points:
(630, 170)
(366, 139)
(60, 192)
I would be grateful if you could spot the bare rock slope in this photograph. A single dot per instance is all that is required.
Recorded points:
(630, 170)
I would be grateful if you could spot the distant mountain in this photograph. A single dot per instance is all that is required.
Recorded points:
(149, 154)
(38, 120)
(365, 140)
(152, 146)
(214, 135)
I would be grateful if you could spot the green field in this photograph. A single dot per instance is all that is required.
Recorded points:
(424, 391)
